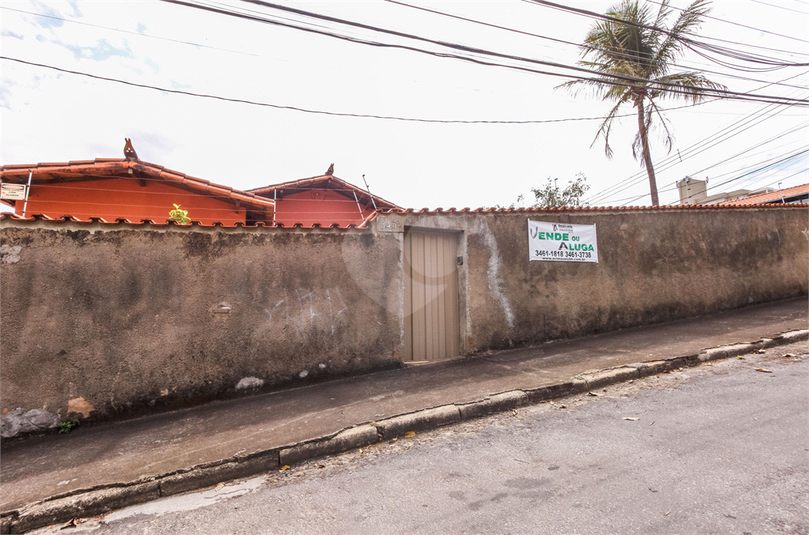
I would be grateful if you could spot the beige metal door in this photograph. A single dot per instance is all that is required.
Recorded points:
(431, 296)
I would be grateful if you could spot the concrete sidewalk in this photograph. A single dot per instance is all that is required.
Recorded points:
(52, 479)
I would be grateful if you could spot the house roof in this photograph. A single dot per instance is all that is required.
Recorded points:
(106, 168)
(121, 222)
(450, 211)
(38, 219)
(771, 197)
(324, 182)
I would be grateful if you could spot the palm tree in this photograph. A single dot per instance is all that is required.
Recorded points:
(642, 50)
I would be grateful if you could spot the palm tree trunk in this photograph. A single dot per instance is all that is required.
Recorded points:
(647, 156)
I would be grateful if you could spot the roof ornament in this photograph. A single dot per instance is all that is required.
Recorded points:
(330, 170)
(129, 150)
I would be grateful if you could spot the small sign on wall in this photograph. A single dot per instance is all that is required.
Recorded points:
(562, 242)
(12, 192)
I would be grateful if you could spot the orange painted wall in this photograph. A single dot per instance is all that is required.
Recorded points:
(126, 198)
(318, 206)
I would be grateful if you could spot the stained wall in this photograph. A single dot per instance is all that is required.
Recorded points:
(106, 321)
(112, 323)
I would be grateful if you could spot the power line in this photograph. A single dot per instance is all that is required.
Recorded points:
(714, 139)
(556, 40)
(772, 64)
(613, 79)
(745, 152)
(757, 170)
(780, 7)
(745, 26)
(593, 14)
(295, 108)
(127, 31)
(698, 148)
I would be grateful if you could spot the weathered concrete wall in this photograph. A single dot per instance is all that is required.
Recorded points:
(103, 323)
(108, 323)
(654, 266)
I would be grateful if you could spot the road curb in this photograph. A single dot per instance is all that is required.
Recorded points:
(422, 420)
(345, 440)
(504, 401)
(91, 502)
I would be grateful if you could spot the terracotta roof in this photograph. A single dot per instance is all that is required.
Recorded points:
(44, 173)
(771, 197)
(34, 218)
(441, 211)
(323, 182)
(144, 223)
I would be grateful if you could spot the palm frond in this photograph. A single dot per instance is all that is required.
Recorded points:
(672, 46)
(669, 137)
(689, 86)
(606, 127)
(643, 49)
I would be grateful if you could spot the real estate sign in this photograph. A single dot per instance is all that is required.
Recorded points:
(562, 242)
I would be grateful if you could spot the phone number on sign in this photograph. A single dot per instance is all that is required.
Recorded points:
(563, 254)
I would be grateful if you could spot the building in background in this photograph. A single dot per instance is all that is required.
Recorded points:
(111, 189)
(325, 200)
(694, 191)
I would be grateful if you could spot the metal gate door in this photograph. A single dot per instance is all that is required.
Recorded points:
(431, 296)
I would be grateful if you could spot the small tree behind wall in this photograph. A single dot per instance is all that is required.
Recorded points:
(550, 196)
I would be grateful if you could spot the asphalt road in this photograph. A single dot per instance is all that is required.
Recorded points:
(721, 448)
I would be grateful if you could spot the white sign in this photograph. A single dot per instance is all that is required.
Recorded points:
(12, 192)
(561, 242)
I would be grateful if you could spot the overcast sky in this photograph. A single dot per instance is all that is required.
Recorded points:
(52, 116)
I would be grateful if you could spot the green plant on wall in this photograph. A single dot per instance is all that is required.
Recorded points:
(68, 426)
(179, 216)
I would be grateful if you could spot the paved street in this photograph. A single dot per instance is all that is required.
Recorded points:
(720, 448)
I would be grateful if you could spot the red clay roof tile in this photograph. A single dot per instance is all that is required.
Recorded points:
(325, 182)
(118, 167)
(773, 196)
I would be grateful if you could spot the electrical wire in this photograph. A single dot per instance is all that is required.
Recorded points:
(698, 44)
(743, 26)
(612, 80)
(780, 7)
(295, 108)
(745, 152)
(757, 170)
(53, 17)
(714, 139)
(562, 41)
(696, 149)
(781, 100)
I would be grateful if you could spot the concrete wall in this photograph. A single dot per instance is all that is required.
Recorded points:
(654, 266)
(102, 321)
(109, 323)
